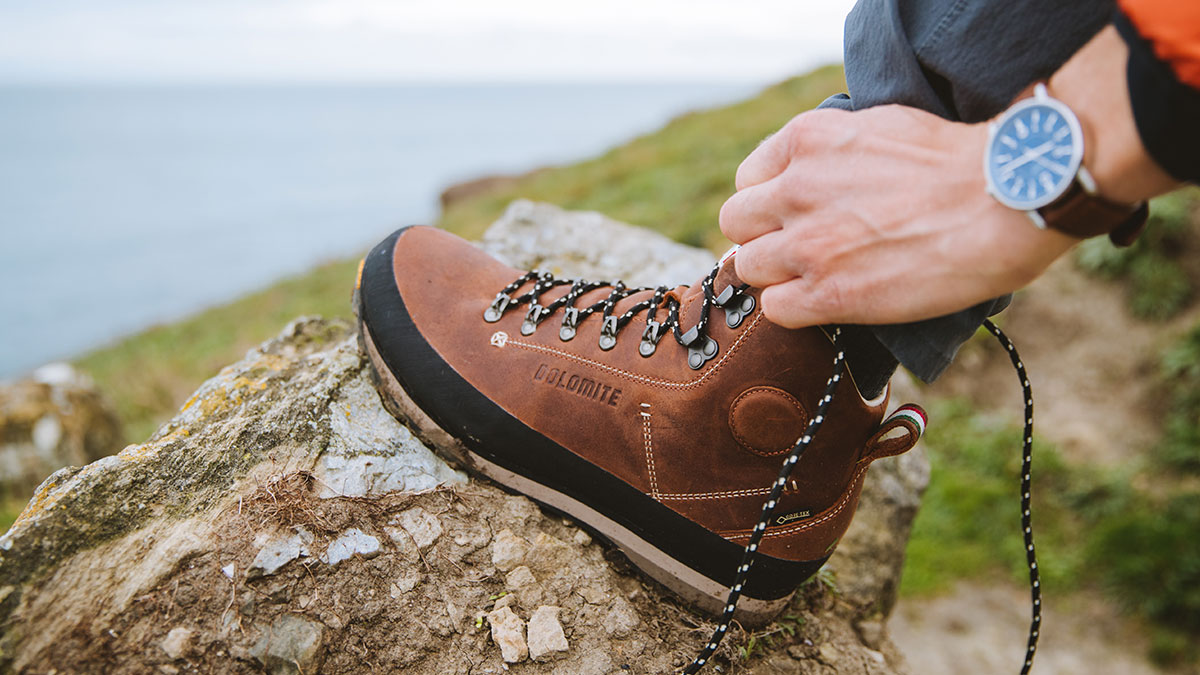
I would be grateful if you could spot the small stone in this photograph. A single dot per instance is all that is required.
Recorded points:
(508, 550)
(178, 642)
(507, 600)
(545, 634)
(229, 570)
(348, 543)
(622, 619)
(582, 538)
(291, 645)
(508, 632)
(420, 525)
(519, 578)
(281, 549)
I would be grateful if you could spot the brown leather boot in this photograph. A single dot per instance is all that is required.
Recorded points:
(584, 397)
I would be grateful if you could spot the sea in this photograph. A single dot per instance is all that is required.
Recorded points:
(126, 206)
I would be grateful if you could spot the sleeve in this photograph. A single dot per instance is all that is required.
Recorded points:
(1164, 79)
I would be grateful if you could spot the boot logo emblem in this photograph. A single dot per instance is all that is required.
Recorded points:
(499, 339)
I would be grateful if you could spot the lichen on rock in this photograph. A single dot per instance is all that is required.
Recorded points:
(284, 521)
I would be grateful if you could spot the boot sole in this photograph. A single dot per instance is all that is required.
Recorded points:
(695, 588)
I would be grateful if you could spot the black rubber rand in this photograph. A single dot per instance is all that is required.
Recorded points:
(489, 431)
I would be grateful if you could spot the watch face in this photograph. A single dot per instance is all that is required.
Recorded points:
(1034, 151)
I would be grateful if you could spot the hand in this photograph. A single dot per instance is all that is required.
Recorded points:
(877, 216)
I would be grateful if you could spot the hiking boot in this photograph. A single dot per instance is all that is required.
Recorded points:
(658, 418)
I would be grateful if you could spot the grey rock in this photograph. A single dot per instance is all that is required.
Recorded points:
(352, 541)
(53, 418)
(545, 634)
(292, 644)
(415, 526)
(508, 632)
(279, 550)
(591, 245)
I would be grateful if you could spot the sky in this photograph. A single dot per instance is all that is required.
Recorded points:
(155, 41)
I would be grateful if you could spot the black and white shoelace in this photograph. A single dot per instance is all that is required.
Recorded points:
(814, 425)
(702, 348)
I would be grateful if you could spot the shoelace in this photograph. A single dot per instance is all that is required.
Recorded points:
(701, 349)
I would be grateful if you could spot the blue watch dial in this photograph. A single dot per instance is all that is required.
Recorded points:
(1034, 153)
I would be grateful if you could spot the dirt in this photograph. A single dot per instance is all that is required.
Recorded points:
(1093, 370)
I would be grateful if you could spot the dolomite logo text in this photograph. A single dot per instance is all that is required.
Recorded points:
(578, 385)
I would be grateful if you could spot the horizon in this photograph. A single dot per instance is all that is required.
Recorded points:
(135, 42)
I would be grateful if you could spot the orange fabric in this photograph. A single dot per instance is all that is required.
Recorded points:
(1173, 27)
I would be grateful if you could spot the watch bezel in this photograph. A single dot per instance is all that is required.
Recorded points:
(1040, 98)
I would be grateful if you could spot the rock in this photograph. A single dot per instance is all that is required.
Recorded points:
(508, 632)
(290, 450)
(350, 542)
(423, 528)
(508, 550)
(587, 244)
(292, 644)
(545, 634)
(622, 619)
(178, 642)
(280, 550)
(53, 418)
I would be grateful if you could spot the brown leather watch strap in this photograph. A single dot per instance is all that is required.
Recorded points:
(1082, 215)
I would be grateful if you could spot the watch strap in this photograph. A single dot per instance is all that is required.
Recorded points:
(1084, 215)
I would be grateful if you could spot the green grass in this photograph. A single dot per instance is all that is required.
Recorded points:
(1158, 284)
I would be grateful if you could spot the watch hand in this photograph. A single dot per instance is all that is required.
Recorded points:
(1050, 165)
(1026, 157)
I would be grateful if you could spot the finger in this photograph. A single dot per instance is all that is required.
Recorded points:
(763, 262)
(753, 212)
(768, 160)
(793, 304)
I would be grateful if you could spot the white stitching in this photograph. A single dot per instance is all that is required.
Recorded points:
(649, 451)
(835, 510)
(748, 492)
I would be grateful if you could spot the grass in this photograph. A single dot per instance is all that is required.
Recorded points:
(1158, 285)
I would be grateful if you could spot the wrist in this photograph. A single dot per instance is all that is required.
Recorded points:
(1092, 84)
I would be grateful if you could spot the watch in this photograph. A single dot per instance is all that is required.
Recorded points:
(1033, 162)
